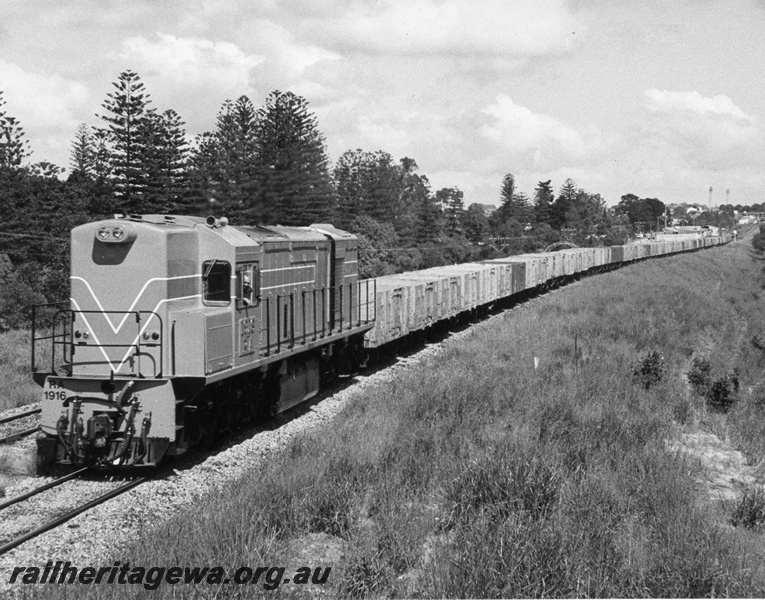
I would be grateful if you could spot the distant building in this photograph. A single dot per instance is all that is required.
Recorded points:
(685, 229)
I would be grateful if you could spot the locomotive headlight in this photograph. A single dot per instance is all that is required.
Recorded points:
(116, 233)
(151, 335)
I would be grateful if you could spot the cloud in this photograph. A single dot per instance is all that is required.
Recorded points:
(192, 75)
(704, 132)
(191, 62)
(536, 140)
(455, 27)
(49, 108)
(289, 63)
(684, 103)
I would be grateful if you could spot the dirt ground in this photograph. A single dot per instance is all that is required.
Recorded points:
(726, 472)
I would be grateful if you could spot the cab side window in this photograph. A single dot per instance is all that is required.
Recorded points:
(247, 285)
(216, 281)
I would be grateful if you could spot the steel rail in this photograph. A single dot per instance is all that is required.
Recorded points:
(42, 488)
(8, 546)
(28, 413)
(8, 439)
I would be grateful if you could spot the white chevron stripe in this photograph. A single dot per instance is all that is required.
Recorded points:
(140, 332)
(137, 298)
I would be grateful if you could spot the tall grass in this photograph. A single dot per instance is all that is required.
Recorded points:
(481, 475)
(16, 385)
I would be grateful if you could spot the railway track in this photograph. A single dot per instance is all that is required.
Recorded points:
(17, 435)
(28, 413)
(66, 516)
(14, 437)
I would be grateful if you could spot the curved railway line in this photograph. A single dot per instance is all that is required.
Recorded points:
(56, 521)
(178, 327)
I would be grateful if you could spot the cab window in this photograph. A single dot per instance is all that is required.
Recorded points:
(216, 281)
(247, 285)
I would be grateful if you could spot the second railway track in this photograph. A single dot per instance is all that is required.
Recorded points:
(11, 535)
(9, 426)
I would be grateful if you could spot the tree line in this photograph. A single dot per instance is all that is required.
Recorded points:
(264, 165)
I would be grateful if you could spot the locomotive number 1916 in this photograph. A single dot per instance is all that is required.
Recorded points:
(56, 391)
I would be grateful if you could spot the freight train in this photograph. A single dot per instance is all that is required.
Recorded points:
(179, 328)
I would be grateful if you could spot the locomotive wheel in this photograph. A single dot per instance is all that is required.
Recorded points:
(193, 433)
(242, 414)
(226, 420)
(209, 434)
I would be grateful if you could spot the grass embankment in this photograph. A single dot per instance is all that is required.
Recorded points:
(16, 385)
(16, 389)
(479, 475)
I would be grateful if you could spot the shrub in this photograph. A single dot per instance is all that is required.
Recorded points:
(758, 342)
(721, 394)
(16, 299)
(650, 369)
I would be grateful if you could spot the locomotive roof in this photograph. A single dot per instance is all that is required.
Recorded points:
(258, 233)
(276, 232)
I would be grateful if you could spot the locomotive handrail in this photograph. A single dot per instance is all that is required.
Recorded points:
(66, 339)
(353, 309)
(159, 343)
(35, 338)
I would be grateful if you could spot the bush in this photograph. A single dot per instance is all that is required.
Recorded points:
(722, 395)
(758, 342)
(650, 369)
(16, 299)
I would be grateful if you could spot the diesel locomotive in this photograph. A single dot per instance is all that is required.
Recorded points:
(179, 328)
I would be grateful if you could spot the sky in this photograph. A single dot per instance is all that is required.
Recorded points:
(658, 98)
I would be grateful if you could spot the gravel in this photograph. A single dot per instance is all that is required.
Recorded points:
(90, 538)
(18, 424)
